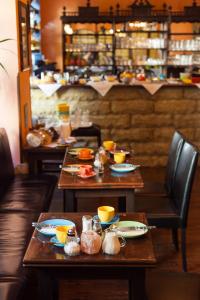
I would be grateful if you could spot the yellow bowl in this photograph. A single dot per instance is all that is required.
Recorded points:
(61, 233)
(108, 145)
(119, 157)
(106, 213)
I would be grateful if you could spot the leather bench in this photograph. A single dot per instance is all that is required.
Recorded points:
(22, 198)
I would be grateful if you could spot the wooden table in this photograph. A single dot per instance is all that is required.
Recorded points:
(109, 184)
(51, 264)
(36, 156)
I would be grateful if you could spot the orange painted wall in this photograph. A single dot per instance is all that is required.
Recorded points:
(51, 25)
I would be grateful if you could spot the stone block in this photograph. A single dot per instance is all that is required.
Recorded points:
(133, 106)
(197, 134)
(95, 107)
(187, 120)
(150, 161)
(167, 93)
(175, 106)
(127, 93)
(191, 92)
(151, 120)
(132, 134)
(150, 148)
(163, 134)
(112, 121)
(198, 104)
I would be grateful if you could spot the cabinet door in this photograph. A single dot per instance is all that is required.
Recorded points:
(22, 7)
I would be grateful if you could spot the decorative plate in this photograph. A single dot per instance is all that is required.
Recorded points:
(86, 158)
(131, 233)
(123, 167)
(87, 176)
(74, 168)
(50, 231)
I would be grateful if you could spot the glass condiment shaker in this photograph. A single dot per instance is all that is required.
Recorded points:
(97, 225)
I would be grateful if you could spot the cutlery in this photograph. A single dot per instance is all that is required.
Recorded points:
(129, 228)
(40, 226)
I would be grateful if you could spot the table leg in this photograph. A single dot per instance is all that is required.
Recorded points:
(122, 204)
(48, 287)
(137, 289)
(130, 200)
(69, 201)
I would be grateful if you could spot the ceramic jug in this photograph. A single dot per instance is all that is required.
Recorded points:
(112, 244)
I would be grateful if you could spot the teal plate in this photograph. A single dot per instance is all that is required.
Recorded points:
(122, 168)
(114, 220)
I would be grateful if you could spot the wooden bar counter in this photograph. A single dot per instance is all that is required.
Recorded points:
(132, 116)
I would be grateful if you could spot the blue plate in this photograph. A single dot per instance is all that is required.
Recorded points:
(56, 242)
(54, 222)
(122, 168)
(114, 220)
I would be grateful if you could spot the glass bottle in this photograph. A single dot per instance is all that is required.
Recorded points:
(86, 223)
(97, 225)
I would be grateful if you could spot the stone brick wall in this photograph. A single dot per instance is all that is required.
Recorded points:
(134, 118)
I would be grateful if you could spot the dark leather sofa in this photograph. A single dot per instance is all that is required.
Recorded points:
(22, 198)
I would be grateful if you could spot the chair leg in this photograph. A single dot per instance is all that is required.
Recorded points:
(175, 238)
(183, 249)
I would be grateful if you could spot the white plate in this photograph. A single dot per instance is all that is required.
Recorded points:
(122, 168)
(74, 168)
(131, 233)
(75, 151)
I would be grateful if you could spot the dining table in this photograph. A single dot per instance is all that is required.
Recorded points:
(51, 264)
(109, 184)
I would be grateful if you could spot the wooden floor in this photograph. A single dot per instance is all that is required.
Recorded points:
(166, 282)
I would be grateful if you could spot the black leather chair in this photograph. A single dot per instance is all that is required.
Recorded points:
(172, 212)
(22, 198)
(158, 188)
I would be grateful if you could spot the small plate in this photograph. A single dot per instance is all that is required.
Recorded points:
(56, 242)
(75, 151)
(74, 168)
(123, 167)
(86, 158)
(114, 220)
(88, 176)
(131, 233)
(118, 151)
(54, 222)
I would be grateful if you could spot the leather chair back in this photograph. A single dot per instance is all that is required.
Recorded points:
(173, 158)
(6, 163)
(183, 181)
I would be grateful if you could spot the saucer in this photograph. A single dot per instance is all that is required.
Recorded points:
(86, 158)
(75, 151)
(51, 231)
(114, 220)
(56, 242)
(87, 176)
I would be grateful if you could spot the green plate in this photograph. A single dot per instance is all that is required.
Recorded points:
(131, 233)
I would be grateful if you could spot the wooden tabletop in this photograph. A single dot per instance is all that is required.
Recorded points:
(108, 180)
(138, 252)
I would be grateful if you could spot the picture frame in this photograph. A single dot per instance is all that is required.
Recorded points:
(24, 27)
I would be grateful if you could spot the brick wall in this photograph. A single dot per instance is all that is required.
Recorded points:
(134, 118)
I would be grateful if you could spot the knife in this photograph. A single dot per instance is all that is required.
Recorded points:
(129, 228)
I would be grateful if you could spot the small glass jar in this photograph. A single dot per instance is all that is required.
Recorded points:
(97, 225)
